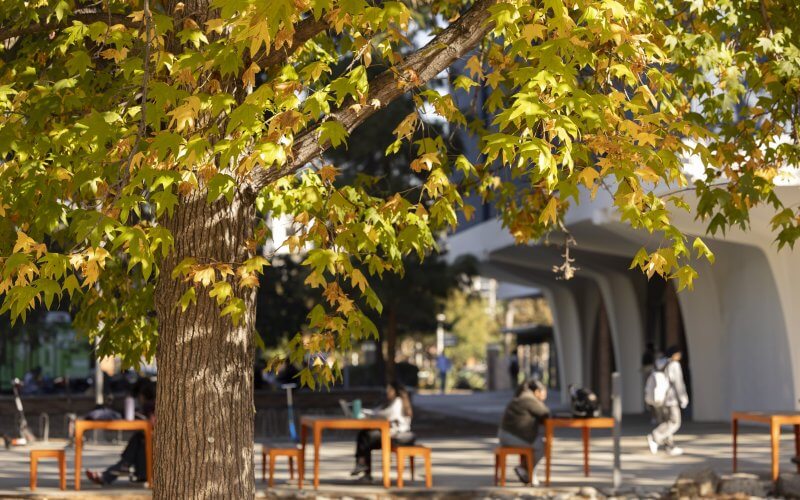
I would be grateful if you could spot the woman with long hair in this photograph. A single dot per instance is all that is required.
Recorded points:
(398, 412)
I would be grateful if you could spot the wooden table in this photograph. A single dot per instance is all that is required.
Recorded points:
(317, 424)
(82, 426)
(775, 420)
(585, 424)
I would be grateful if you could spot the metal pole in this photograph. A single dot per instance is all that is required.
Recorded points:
(440, 333)
(98, 376)
(616, 410)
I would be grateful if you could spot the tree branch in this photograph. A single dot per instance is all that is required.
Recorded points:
(85, 17)
(459, 38)
(304, 31)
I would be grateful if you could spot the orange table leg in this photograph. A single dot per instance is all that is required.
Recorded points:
(735, 433)
(300, 470)
(401, 464)
(386, 449)
(271, 482)
(586, 432)
(548, 449)
(34, 463)
(78, 450)
(529, 466)
(62, 471)
(148, 453)
(775, 435)
(429, 473)
(797, 444)
(317, 442)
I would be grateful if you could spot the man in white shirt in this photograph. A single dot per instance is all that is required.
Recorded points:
(668, 414)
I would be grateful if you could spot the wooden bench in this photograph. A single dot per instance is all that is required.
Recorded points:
(36, 455)
(401, 452)
(273, 452)
(500, 454)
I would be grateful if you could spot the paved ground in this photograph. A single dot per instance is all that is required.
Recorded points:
(462, 460)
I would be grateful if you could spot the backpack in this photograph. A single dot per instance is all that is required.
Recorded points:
(657, 386)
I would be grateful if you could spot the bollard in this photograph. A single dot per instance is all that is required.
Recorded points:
(616, 411)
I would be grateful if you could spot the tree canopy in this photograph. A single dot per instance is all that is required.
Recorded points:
(144, 141)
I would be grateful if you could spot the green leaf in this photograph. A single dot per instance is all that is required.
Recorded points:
(333, 132)
(221, 185)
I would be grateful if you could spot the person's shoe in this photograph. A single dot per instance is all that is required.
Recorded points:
(359, 469)
(522, 474)
(94, 477)
(651, 442)
(365, 479)
(675, 451)
(7, 441)
(796, 460)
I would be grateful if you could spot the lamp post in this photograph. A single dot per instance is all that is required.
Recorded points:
(440, 318)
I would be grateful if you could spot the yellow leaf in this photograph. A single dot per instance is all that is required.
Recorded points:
(328, 173)
(357, 279)
(183, 116)
(221, 291)
(588, 176)
(532, 32)
(474, 66)
(204, 275)
(249, 75)
(647, 174)
(550, 213)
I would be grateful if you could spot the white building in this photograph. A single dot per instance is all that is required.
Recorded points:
(740, 326)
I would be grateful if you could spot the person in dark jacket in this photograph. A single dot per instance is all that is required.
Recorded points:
(133, 461)
(521, 420)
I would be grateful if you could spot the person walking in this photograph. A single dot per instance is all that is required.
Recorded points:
(521, 421)
(666, 393)
(513, 368)
(443, 364)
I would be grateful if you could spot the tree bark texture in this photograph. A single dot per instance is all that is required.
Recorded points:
(204, 407)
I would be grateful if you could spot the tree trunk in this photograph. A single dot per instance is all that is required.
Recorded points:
(204, 407)
(391, 344)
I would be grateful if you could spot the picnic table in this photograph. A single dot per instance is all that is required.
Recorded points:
(775, 420)
(82, 426)
(585, 424)
(317, 424)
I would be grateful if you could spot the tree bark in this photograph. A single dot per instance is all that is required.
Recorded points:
(204, 407)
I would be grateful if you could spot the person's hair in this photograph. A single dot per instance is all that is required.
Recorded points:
(401, 392)
(671, 351)
(531, 384)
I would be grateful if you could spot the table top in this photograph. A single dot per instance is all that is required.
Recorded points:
(113, 425)
(789, 416)
(576, 422)
(343, 422)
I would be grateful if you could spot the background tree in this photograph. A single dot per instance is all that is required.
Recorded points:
(145, 139)
(412, 298)
(472, 324)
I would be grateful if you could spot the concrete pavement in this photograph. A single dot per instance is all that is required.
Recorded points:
(462, 458)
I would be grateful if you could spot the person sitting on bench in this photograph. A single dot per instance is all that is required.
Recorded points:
(521, 420)
(398, 412)
(134, 455)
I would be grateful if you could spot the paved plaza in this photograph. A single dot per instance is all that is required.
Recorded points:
(461, 462)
